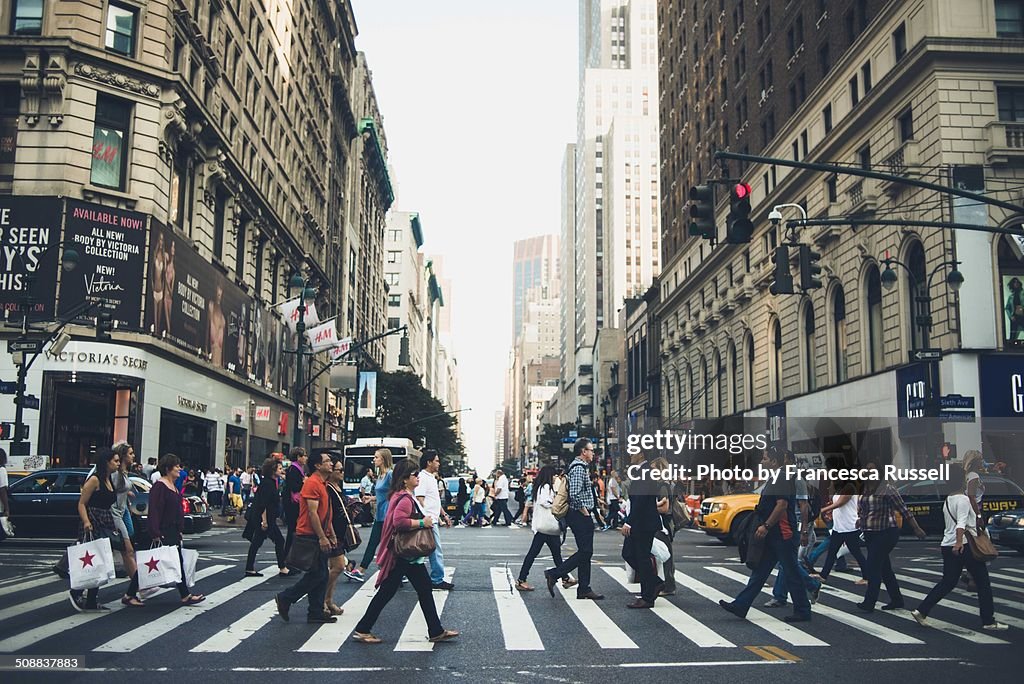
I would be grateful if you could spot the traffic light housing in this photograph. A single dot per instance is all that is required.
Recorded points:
(810, 269)
(783, 280)
(702, 212)
(738, 226)
(104, 325)
(6, 432)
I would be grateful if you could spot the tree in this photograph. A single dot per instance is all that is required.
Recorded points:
(550, 441)
(406, 409)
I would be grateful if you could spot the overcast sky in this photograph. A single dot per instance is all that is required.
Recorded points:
(479, 100)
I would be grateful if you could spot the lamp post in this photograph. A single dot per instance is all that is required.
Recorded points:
(297, 282)
(69, 260)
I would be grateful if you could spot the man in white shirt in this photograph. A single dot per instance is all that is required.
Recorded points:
(430, 501)
(501, 499)
(215, 486)
(246, 478)
(149, 468)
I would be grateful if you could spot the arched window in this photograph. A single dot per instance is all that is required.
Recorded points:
(776, 359)
(683, 396)
(916, 286)
(668, 395)
(874, 356)
(810, 379)
(734, 380)
(748, 373)
(839, 334)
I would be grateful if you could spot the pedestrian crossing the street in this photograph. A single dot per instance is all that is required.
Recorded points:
(239, 613)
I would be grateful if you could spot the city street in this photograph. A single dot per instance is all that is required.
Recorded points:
(235, 635)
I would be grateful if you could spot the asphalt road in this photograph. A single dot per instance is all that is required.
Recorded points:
(235, 636)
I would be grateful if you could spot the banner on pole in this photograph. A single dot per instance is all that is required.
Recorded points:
(367, 395)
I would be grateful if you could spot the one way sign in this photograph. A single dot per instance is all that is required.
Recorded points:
(925, 354)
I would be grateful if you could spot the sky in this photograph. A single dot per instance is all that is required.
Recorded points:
(478, 99)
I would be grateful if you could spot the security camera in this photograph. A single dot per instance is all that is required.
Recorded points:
(775, 216)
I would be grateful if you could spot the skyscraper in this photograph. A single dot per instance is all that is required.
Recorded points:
(534, 264)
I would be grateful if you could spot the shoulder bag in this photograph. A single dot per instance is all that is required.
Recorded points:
(980, 543)
(304, 553)
(416, 542)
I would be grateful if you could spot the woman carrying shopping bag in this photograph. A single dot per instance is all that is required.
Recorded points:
(261, 520)
(96, 521)
(166, 520)
(545, 529)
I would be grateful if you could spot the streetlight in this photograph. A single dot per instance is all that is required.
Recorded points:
(297, 282)
(954, 280)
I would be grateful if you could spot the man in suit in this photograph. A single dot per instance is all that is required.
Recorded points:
(642, 523)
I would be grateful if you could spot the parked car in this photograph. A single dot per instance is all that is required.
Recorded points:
(925, 501)
(1007, 529)
(45, 504)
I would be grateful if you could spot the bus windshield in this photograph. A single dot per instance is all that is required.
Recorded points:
(359, 459)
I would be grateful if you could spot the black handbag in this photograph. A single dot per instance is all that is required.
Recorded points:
(304, 553)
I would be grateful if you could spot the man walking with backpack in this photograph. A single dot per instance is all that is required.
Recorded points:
(578, 516)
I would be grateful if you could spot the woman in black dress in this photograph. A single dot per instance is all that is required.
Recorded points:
(261, 521)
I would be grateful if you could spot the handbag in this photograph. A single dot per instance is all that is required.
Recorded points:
(303, 554)
(980, 543)
(414, 543)
(351, 541)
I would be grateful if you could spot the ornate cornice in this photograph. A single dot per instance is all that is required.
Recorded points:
(117, 80)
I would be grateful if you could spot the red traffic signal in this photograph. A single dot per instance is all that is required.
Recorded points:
(741, 191)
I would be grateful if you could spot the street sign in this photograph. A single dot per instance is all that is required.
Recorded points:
(31, 402)
(572, 433)
(22, 345)
(956, 401)
(8, 387)
(568, 440)
(957, 416)
(925, 354)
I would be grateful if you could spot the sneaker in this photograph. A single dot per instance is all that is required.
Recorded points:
(775, 603)
(995, 627)
(77, 601)
(920, 617)
(355, 575)
(443, 586)
(321, 619)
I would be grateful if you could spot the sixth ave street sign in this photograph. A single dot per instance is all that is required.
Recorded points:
(925, 354)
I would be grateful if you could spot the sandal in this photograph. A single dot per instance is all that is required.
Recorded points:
(569, 583)
(253, 573)
(444, 636)
(334, 610)
(523, 586)
(366, 638)
(133, 601)
(192, 599)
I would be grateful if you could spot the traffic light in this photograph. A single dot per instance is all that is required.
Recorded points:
(403, 352)
(6, 431)
(783, 281)
(104, 325)
(738, 226)
(702, 211)
(810, 269)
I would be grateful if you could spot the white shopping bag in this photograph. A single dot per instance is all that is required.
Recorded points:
(157, 566)
(660, 551)
(190, 556)
(90, 564)
(631, 577)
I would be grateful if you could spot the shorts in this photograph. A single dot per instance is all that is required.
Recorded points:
(122, 527)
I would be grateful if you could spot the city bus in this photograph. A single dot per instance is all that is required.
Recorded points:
(359, 457)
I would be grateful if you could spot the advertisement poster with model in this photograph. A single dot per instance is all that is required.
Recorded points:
(1013, 309)
(111, 248)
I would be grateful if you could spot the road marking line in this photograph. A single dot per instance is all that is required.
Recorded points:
(855, 621)
(762, 653)
(10, 589)
(1016, 605)
(763, 620)
(237, 632)
(414, 635)
(33, 636)
(330, 638)
(1011, 578)
(138, 638)
(784, 654)
(995, 585)
(604, 630)
(516, 624)
(42, 602)
(679, 620)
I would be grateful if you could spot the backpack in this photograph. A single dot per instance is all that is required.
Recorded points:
(560, 506)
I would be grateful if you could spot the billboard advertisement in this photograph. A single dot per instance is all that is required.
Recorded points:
(111, 246)
(28, 227)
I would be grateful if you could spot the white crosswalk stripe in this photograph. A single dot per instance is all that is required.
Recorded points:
(676, 618)
(414, 636)
(235, 633)
(516, 624)
(995, 585)
(23, 586)
(330, 638)
(917, 581)
(60, 596)
(598, 623)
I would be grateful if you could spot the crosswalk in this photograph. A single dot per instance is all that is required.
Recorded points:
(238, 610)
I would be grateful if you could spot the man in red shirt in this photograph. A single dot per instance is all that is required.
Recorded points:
(314, 523)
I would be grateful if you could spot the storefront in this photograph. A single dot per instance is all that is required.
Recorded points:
(1002, 410)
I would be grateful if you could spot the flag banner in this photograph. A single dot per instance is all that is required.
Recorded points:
(323, 336)
(341, 348)
(367, 395)
(290, 312)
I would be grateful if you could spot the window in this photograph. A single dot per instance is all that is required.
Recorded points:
(394, 300)
(72, 483)
(392, 279)
(110, 142)
(394, 235)
(810, 381)
(179, 193)
(27, 17)
(905, 125)
(121, 23)
(824, 58)
(832, 189)
(39, 483)
(803, 142)
(864, 157)
(241, 246)
(394, 322)
(1009, 18)
(749, 372)
(10, 105)
(899, 41)
(734, 380)
(826, 118)
(1011, 103)
(394, 257)
(865, 75)
(917, 286)
(219, 209)
(854, 93)
(874, 336)
(839, 335)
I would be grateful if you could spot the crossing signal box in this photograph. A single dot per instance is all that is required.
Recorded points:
(810, 269)
(702, 211)
(739, 228)
(6, 431)
(783, 280)
(104, 325)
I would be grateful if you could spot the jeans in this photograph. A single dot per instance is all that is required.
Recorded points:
(372, 544)
(780, 590)
(852, 541)
(437, 559)
(501, 508)
(582, 527)
(879, 567)
(952, 565)
(291, 519)
(613, 514)
(637, 552)
(776, 550)
(539, 540)
(420, 580)
(313, 584)
(258, 537)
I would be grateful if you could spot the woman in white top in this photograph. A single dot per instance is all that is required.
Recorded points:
(960, 520)
(545, 528)
(973, 465)
(843, 511)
